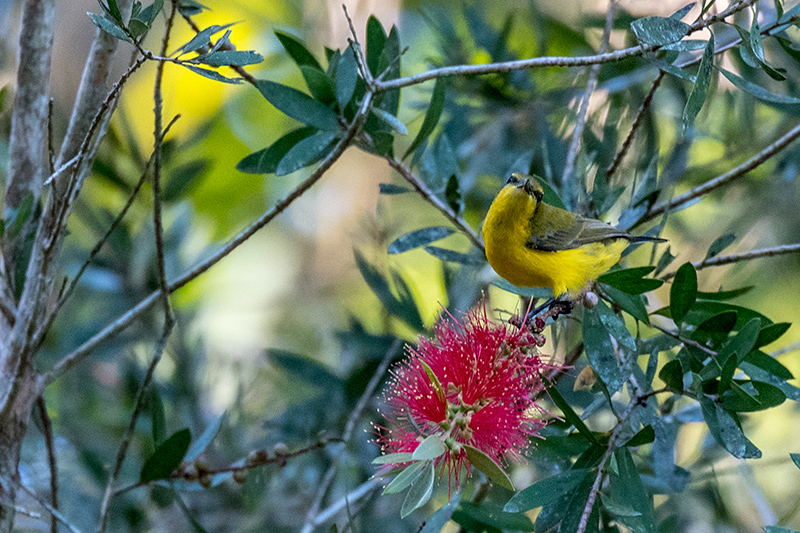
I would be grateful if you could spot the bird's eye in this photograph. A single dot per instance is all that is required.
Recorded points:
(512, 180)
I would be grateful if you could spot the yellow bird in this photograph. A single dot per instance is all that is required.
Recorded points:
(533, 244)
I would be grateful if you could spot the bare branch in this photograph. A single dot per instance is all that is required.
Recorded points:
(124, 321)
(158, 139)
(635, 126)
(684, 340)
(744, 256)
(53, 512)
(583, 105)
(47, 429)
(139, 403)
(724, 179)
(434, 200)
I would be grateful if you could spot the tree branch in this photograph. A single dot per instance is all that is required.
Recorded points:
(744, 256)
(47, 430)
(434, 200)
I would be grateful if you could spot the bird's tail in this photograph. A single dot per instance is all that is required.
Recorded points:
(644, 238)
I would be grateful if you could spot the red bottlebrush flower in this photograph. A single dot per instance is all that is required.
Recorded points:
(488, 374)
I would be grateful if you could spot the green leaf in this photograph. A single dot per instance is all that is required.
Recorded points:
(137, 27)
(795, 459)
(713, 331)
(167, 457)
(420, 491)
(202, 39)
(631, 304)
(755, 40)
(723, 295)
(404, 479)
(768, 364)
(451, 256)
(430, 448)
(150, 13)
(319, 84)
(546, 490)
(599, 348)
(392, 458)
(391, 120)
(266, 161)
(757, 91)
(778, 529)
(452, 194)
(226, 58)
(683, 293)
(645, 436)
(346, 77)
(189, 8)
(626, 487)
(672, 376)
(631, 280)
(771, 333)
(109, 27)
(297, 51)
(720, 244)
(486, 464)
(391, 188)
(157, 419)
(570, 415)
(418, 238)
(403, 307)
(436, 522)
(306, 152)
(750, 396)
(298, 105)
(205, 439)
(211, 74)
(431, 116)
(376, 40)
(112, 9)
(527, 292)
(183, 179)
(489, 517)
(726, 431)
(745, 48)
(700, 90)
(16, 218)
(435, 383)
(657, 31)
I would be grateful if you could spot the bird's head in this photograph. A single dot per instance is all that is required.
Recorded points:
(527, 185)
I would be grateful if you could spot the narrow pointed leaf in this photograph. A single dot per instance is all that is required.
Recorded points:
(546, 490)
(205, 439)
(486, 464)
(166, 457)
(404, 479)
(420, 491)
(346, 77)
(299, 105)
(109, 27)
(700, 90)
(266, 161)
(431, 117)
(418, 238)
(212, 74)
(392, 458)
(683, 292)
(297, 50)
(306, 152)
(656, 31)
(759, 92)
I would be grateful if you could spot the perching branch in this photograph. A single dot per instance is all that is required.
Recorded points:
(47, 430)
(125, 320)
(744, 256)
(434, 200)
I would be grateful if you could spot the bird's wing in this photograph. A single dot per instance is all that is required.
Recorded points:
(553, 229)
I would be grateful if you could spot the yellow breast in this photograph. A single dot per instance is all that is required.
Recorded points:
(506, 231)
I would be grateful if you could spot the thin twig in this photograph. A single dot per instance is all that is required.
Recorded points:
(583, 104)
(598, 480)
(158, 139)
(50, 509)
(351, 497)
(645, 105)
(684, 340)
(358, 52)
(724, 179)
(139, 403)
(71, 359)
(322, 489)
(47, 430)
(744, 256)
(434, 200)
(552, 61)
(795, 346)
(227, 46)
